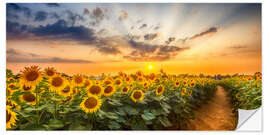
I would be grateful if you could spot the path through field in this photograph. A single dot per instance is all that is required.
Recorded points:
(214, 115)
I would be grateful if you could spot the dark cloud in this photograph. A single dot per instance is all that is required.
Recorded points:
(105, 49)
(209, 31)
(157, 27)
(41, 16)
(53, 5)
(123, 15)
(72, 18)
(22, 57)
(150, 36)
(16, 30)
(147, 52)
(14, 9)
(143, 26)
(62, 31)
(171, 39)
(54, 15)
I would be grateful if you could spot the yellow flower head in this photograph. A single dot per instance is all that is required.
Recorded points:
(78, 80)
(28, 98)
(67, 91)
(49, 72)
(57, 82)
(137, 95)
(91, 104)
(31, 76)
(189, 92)
(159, 90)
(118, 82)
(109, 90)
(13, 105)
(25, 88)
(95, 90)
(125, 89)
(10, 118)
(183, 91)
(87, 83)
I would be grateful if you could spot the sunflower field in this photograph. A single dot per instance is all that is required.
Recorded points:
(47, 100)
(245, 90)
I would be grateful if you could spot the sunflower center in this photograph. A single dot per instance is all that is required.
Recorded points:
(66, 90)
(95, 89)
(57, 81)
(78, 79)
(117, 82)
(137, 95)
(177, 83)
(11, 86)
(127, 79)
(90, 103)
(32, 75)
(107, 82)
(108, 89)
(29, 97)
(125, 89)
(159, 89)
(86, 83)
(8, 116)
(26, 88)
(50, 72)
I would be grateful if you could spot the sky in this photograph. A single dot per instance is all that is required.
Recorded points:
(95, 38)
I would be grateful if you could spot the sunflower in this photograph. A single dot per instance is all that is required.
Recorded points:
(137, 95)
(91, 104)
(192, 84)
(125, 89)
(95, 90)
(185, 83)
(183, 91)
(10, 118)
(57, 82)
(25, 88)
(128, 79)
(118, 82)
(13, 105)
(49, 72)
(12, 86)
(31, 76)
(109, 90)
(11, 79)
(189, 92)
(87, 83)
(140, 79)
(107, 81)
(177, 83)
(66, 91)
(28, 98)
(159, 90)
(67, 99)
(157, 80)
(78, 80)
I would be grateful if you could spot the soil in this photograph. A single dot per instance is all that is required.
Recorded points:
(216, 114)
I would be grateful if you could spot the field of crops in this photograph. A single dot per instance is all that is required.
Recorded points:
(245, 90)
(47, 100)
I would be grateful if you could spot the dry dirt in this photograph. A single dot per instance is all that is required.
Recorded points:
(214, 115)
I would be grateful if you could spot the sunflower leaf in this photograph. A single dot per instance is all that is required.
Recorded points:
(148, 116)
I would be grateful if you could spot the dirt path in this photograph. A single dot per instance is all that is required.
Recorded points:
(214, 115)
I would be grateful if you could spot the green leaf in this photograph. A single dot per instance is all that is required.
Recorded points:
(130, 110)
(148, 116)
(55, 124)
(114, 125)
(111, 115)
(164, 121)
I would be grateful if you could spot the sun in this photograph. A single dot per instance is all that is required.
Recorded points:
(150, 67)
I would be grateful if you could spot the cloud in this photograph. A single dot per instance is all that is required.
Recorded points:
(53, 5)
(123, 15)
(14, 9)
(54, 15)
(98, 14)
(105, 49)
(23, 57)
(170, 39)
(16, 30)
(238, 47)
(143, 26)
(209, 31)
(62, 31)
(157, 27)
(41, 16)
(72, 18)
(150, 36)
(147, 52)
(86, 11)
